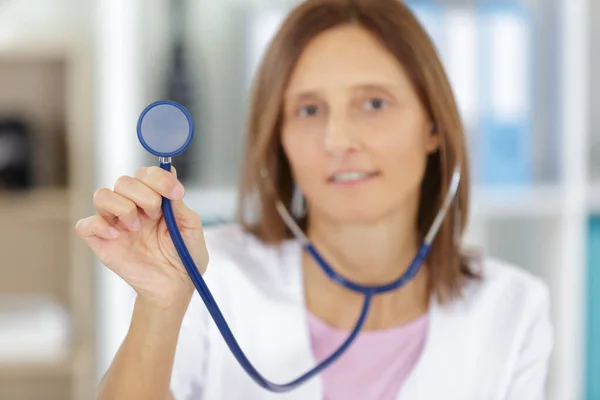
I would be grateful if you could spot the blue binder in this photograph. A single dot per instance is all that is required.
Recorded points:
(505, 152)
(593, 312)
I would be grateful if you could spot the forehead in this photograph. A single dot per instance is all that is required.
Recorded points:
(343, 57)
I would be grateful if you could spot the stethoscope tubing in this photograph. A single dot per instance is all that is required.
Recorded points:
(221, 323)
(367, 291)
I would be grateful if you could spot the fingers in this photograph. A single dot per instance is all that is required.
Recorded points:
(163, 182)
(113, 206)
(140, 194)
(96, 226)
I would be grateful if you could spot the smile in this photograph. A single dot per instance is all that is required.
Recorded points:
(351, 177)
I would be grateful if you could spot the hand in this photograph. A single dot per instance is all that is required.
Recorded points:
(130, 237)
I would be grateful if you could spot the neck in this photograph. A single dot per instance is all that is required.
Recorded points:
(369, 254)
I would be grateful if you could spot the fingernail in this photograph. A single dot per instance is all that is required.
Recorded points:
(178, 192)
(137, 225)
(112, 232)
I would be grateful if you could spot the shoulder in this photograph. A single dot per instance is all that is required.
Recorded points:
(512, 324)
(506, 285)
(497, 334)
(505, 307)
(231, 241)
(240, 260)
(228, 238)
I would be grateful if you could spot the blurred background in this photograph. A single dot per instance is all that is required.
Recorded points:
(75, 74)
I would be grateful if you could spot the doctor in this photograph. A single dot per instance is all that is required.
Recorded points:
(354, 120)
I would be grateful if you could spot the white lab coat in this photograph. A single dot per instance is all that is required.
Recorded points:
(493, 344)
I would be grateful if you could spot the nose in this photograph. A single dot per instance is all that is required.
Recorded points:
(340, 137)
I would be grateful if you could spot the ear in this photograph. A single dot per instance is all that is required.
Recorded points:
(433, 139)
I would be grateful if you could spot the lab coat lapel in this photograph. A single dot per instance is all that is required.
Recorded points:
(443, 367)
(296, 356)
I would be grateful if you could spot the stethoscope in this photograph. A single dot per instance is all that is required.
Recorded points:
(165, 129)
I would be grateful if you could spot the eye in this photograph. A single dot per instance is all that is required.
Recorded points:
(375, 104)
(308, 111)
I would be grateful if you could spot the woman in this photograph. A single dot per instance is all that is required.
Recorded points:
(353, 124)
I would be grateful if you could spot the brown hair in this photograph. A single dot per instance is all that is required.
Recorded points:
(397, 29)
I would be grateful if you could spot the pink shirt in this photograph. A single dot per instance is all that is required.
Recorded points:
(375, 365)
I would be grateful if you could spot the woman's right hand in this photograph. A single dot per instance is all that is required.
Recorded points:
(129, 235)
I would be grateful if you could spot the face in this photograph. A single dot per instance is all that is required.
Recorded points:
(354, 131)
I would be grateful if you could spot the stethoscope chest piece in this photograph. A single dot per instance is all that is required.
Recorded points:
(165, 128)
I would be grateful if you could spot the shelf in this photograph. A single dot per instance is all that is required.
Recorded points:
(47, 73)
(34, 48)
(36, 338)
(36, 205)
(541, 201)
(58, 368)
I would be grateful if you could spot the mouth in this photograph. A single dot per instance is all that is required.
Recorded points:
(351, 177)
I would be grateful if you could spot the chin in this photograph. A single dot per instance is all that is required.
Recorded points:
(356, 215)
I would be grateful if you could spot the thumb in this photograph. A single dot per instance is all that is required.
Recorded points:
(181, 210)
